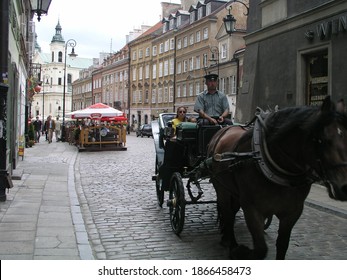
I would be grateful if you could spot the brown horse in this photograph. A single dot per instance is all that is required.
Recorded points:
(290, 149)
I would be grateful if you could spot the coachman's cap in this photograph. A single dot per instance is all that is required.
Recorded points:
(211, 77)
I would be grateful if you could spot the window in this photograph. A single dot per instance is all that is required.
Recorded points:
(140, 73)
(205, 34)
(185, 42)
(140, 96)
(198, 36)
(224, 51)
(166, 67)
(52, 56)
(160, 95)
(197, 88)
(233, 84)
(172, 66)
(197, 62)
(153, 96)
(172, 44)
(192, 17)
(191, 64)
(154, 71)
(208, 9)
(179, 44)
(160, 69)
(147, 51)
(191, 39)
(146, 96)
(140, 53)
(147, 72)
(222, 84)
(167, 42)
(166, 94)
(171, 90)
(154, 50)
(191, 89)
(134, 74)
(179, 20)
(201, 12)
(185, 66)
(134, 55)
(178, 91)
(179, 67)
(204, 60)
(184, 89)
(161, 48)
(60, 57)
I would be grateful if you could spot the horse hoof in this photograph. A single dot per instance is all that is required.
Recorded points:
(241, 252)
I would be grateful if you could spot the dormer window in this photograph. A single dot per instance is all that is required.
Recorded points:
(208, 8)
(192, 17)
(201, 12)
(179, 21)
(172, 23)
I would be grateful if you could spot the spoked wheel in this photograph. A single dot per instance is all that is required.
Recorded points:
(267, 222)
(158, 186)
(177, 203)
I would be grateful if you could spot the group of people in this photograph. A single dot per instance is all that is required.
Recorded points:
(211, 105)
(48, 128)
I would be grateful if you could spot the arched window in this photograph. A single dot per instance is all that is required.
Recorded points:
(60, 57)
(52, 56)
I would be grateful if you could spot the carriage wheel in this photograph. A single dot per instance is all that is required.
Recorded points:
(267, 222)
(158, 182)
(177, 203)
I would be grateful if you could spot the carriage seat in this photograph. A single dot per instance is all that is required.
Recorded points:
(187, 131)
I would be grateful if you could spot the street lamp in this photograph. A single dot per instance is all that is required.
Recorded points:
(230, 21)
(70, 43)
(40, 7)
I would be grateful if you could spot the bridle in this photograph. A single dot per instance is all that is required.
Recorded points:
(268, 166)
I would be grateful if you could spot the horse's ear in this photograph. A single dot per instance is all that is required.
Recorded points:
(327, 105)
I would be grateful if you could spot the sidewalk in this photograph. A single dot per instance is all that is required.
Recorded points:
(41, 218)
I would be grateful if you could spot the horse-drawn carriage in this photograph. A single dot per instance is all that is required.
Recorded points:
(265, 168)
(182, 163)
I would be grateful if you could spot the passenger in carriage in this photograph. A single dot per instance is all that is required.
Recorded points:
(181, 116)
(211, 104)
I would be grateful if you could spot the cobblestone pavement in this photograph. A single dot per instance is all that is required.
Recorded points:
(123, 220)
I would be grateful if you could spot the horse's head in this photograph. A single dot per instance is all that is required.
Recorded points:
(331, 147)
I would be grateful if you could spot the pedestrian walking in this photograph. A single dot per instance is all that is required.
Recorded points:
(37, 128)
(50, 127)
(57, 130)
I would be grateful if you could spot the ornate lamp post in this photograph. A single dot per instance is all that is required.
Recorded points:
(229, 20)
(40, 7)
(70, 43)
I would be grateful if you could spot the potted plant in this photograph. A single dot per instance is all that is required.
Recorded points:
(31, 135)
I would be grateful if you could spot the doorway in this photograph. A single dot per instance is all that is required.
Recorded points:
(317, 78)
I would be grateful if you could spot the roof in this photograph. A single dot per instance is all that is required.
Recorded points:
(77, 62)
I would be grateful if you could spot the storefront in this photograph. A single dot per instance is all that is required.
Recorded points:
(294, 61)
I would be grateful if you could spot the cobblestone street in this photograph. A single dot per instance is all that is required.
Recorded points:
(124, 221)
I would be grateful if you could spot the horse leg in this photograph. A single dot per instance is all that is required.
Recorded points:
(255, 224)
(227, 210)
(286, 225)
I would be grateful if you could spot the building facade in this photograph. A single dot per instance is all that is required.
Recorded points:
(295, 54)
(49, 101)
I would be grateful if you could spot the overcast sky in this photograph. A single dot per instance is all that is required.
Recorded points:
(97, 26)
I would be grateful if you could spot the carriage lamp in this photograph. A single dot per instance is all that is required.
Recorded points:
(40, 7)
(230, 21)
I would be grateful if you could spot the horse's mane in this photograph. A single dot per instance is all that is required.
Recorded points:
(306, 120)
(283, 122)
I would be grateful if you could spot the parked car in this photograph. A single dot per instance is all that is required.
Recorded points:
(144, 130)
